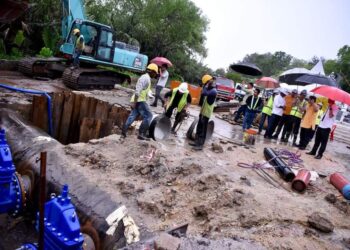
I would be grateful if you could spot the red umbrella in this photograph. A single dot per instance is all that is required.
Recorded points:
(333, 93)
(267, 83)
(161, 60)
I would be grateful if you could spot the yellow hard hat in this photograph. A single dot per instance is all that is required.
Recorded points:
(75, 31)
(153, 67)
(206, 78)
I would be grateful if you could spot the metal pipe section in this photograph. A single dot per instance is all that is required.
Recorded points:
(35, 92)
(341, 183)
(301, 181)
(285, 172)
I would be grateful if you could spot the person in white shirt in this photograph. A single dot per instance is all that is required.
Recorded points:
(323, 130)
(277, 111)
(163, 78)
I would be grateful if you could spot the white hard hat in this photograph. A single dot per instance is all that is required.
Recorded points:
(183, 88)
(283, 91)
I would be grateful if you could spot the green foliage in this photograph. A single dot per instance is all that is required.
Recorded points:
(19, 39)
(45, 52)
(50, 38)
(234, 76)
(344, 67)
(171, 28)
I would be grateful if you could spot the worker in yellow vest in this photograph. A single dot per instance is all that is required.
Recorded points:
(79, 47)
(209, 96)
(297, 113)
(318, 118)
(267, 111)
(139, 103)
(180, 98)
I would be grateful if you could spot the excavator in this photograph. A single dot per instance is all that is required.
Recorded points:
(102, 51)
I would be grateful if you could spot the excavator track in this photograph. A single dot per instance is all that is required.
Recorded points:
(42, 67)
(85, 78)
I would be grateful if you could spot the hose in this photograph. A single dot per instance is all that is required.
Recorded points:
(35, 92)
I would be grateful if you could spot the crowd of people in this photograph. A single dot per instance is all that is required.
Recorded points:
(290, 114)
(295, 115)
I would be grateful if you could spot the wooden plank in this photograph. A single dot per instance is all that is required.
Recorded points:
(66, 117)
(89, 129)
(102, 110)
(113, 113)
(57, 104)
(39, 114)
(74, 126)
(92, 107)
(106, 127)
(84, 108)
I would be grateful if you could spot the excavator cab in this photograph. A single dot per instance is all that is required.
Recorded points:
(101, 48)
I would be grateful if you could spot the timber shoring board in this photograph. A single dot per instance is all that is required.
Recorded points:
(92, 107)
(106, 127)
(102, 110)
(39, 113)
(89, 129)
(74, 126)
(66, 117)
(58, 100)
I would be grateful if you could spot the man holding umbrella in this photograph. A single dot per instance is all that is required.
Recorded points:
(323, 130)
(163, 78)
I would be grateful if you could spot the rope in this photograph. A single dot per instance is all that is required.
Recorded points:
(293, 160)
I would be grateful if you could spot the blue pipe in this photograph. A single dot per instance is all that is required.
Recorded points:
(35, 92)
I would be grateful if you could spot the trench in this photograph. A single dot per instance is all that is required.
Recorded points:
(75, 118)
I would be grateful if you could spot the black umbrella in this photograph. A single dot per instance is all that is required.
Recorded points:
(247, 69)
(315, 79)
(290, 76)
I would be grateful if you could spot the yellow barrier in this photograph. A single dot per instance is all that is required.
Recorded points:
(195, 91)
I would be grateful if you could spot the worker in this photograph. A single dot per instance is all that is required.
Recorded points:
(209, 95)
(285, 122)
(254, 104)
(163, 78)
(180, 98)
(243, 107)
(267, 111)
(296, 114)
(319, 116)
(277, 112)
(308, 123)
(78, 47)
(139, 103)
(323, 130)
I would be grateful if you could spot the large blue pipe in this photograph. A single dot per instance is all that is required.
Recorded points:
(35, 92)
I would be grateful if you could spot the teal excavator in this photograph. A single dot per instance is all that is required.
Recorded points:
(101, 49)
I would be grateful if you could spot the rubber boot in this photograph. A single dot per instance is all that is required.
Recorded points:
(295, 141)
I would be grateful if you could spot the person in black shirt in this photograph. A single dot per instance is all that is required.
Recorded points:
(180, 98)
(254, 104)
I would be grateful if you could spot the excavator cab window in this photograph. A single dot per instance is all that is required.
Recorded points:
(90, 37)
(105, 46)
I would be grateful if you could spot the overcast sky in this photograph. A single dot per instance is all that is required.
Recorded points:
(301, 28)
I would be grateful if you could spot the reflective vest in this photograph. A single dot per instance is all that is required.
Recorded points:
(319, 117)
(252, 104)
(80, 45)
(268, 107)
(295, 110)
(207, 109)
(143, 95)
(183, 101)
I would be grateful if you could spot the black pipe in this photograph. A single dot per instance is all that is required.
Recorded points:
(281, 167)
(42, 199)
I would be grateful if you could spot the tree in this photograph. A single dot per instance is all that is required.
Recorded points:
(234, 76)
(344, 67)
(220, 72)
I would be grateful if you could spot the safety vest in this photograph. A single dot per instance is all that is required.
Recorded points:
(143, 95)
(207, 109)
(295, 110)
(319, 117)
(267, 109)
(182, 102)
(252, 104)
(80, 45)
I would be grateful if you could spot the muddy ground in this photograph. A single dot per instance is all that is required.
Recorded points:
(164, 184)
